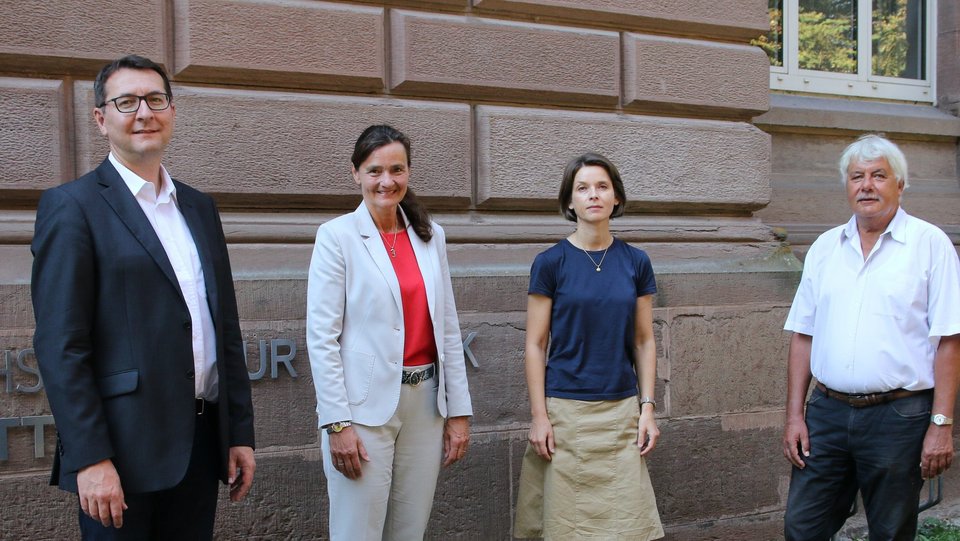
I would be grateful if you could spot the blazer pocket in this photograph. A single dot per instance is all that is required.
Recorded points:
(119, 383)
(357, 374)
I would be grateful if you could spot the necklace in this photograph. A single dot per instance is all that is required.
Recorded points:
(592, 260)
(392, 246)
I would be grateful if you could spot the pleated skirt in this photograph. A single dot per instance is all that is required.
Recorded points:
(597, 486)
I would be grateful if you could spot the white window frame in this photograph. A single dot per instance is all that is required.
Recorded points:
(863, 84)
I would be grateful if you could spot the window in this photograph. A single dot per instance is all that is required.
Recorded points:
(866, 48)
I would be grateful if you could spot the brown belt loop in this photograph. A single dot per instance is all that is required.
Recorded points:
(868, 399)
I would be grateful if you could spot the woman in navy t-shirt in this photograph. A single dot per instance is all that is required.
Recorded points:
(591, 300)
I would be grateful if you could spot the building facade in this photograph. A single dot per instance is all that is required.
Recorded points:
(728, 182)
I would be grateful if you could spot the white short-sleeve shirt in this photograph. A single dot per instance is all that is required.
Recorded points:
(876, 323)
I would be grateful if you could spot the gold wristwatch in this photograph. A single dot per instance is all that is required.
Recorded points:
(337, 427)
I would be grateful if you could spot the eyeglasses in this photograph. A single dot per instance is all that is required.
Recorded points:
(156, 101)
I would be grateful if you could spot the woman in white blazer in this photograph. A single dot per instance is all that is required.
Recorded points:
(385, 352)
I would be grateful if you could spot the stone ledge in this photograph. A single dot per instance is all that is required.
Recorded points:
(16, 227)
(217, 40)
(809, 114)
(740, 20)
(479, 58)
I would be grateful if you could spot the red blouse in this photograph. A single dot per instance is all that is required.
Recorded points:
(419, 347)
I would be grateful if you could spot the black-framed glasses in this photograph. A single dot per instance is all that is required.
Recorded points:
(156, 101)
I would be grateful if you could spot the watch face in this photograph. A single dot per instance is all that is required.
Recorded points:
(939, 419)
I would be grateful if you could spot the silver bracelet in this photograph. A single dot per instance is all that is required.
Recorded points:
(648, 400)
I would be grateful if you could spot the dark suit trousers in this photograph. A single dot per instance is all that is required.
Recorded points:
(184, 512)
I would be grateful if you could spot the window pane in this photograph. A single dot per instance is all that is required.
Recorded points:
(828, 35)
(898, 38)
(772, 41)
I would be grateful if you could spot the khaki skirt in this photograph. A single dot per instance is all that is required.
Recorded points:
(597, 485)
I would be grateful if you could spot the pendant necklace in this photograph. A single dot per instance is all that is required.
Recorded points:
(392, 247)
(592, 260)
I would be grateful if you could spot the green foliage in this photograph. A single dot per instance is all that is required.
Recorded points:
(827, 44)
(828, 37)
(772, 41)
(932, 529)
(890, 45)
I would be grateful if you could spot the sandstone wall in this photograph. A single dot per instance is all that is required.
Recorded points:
(496, 95)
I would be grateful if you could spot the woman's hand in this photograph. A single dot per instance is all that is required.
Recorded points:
(648, 431)
(346, 450)
(456, 439)
(541, 437)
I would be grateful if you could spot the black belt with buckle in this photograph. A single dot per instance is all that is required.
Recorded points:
(418, 377)
(867, 399)
(204, 407)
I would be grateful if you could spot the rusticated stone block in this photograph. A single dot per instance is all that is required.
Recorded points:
(807, 188)
(26, 428)
(33, 134)
(685, 75)
(256, 148)
(222, 40)
(701, 473)
(17, 312)
(727, 359)
(502, 60)
(289, 496)
(474, 497)
(731, 19)
(79, 36)
(759, 526)
(32, 509)
(288, 499)
(498, 386)
(268, 300)
(667, 164)
(284, 397)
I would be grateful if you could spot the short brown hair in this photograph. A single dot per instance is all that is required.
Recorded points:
(574, 166)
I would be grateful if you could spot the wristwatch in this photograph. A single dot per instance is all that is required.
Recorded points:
(940, 419)
(337, 427)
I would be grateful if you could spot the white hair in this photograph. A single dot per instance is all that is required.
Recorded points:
(872, 147)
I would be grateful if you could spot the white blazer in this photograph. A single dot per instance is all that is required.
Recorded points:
(355, 328)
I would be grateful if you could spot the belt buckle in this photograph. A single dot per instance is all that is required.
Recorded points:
(416, 378)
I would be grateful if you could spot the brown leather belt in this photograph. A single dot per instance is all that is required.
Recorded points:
(869, 399)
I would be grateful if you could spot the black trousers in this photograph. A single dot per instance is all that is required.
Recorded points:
(185, 512)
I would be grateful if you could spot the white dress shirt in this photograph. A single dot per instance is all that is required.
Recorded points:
(876, 322)
(164, 215)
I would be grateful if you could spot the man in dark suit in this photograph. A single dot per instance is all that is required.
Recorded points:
(137, 334)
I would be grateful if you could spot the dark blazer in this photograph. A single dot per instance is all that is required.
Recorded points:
(113, 338)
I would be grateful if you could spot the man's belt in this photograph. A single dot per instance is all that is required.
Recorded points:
(868, 399)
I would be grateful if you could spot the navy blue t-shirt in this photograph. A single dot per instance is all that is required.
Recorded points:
(592, 319)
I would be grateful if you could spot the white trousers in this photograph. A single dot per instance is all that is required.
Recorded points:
(393, 497)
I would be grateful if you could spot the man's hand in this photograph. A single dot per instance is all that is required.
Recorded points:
(101, 496)
(937, 454)
(241, 461)
(346, 451)
(796, 441)
(456, 439)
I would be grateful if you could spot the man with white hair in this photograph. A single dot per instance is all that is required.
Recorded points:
(876, 320)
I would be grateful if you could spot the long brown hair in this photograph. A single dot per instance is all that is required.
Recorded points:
(380, 135)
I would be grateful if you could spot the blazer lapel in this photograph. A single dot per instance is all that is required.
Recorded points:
(429, 269)
(123, 202)
(201, 239)
(371, 241)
